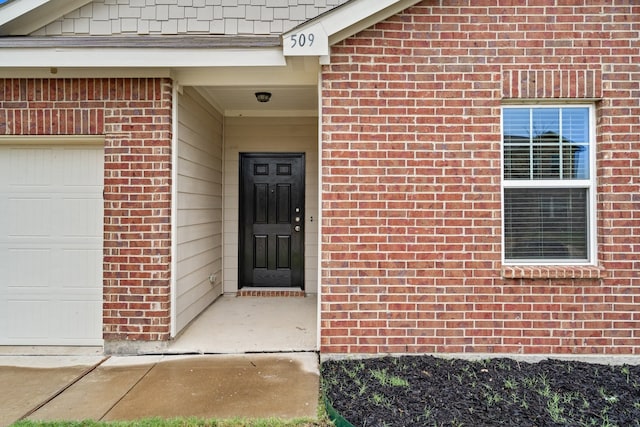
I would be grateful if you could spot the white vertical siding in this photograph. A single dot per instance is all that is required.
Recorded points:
(264, 135)
(199, 206)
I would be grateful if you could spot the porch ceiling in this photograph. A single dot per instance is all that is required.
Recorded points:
(231, 89)
(285, 100)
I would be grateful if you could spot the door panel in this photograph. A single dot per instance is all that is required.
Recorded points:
(283, 208)
(271, 220)
(261, 204)
(283, 254)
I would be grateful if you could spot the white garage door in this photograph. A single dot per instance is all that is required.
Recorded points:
(51, 216)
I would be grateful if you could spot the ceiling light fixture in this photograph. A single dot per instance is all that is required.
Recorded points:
(263, 96)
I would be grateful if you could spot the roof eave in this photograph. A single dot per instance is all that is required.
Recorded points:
(154, 57)
(25, 16)
(340, 23)
(142, 42)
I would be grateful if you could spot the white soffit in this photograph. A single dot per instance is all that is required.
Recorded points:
(314, 37)
(22, 17)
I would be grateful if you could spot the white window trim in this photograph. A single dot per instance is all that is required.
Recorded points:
(590, 184)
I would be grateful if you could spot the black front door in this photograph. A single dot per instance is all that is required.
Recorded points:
(271, 240)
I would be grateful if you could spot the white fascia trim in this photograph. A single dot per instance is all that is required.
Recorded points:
(350, 18)
(363, 14)
(173, 280)
(319, 267)
(22, 17)
(139, 57)
(70, 73)
(84, 140)
(17, 8)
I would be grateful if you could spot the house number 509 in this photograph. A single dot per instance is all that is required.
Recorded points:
(302, 40)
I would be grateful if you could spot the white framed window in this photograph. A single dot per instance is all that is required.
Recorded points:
(548, 183)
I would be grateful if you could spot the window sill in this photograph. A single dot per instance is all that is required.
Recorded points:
(553, 272)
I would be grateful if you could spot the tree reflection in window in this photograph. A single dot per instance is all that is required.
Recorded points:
(546, 172)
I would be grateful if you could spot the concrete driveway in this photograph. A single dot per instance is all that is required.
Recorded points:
(283, 385)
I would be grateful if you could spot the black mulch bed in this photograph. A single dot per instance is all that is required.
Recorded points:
(429, 391)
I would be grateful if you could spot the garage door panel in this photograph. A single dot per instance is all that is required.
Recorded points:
(29, 217)
(78, 167)
(38, 321)
(82, 217)
(78, 269)
(27, 268)
(29, 166)
(76, 318)
(23, 315)
(47, 267)
(51, 245)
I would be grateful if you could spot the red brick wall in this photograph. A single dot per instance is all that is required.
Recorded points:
(411, 246)
(134, 115)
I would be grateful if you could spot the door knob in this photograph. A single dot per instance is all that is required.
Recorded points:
(296, 228)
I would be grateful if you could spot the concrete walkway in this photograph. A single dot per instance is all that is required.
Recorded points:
(283, 385)
(251, 324)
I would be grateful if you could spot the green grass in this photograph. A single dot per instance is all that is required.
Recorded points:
(321, 421)
(389, 380)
